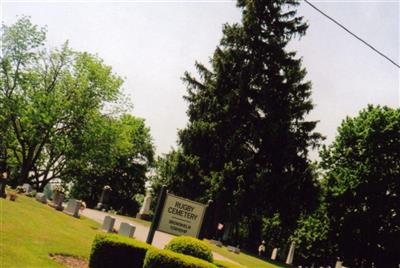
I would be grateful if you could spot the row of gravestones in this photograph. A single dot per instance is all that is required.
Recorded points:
(71, 209)
(274, 255)
(289, 258)
(125, 229)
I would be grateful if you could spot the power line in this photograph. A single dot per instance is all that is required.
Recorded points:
(350, 32)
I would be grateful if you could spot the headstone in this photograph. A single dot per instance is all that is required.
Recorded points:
(27, 188)
(144, 212)
(274, 254)
(227, 231)
(104, 198)
(108, 224)
(3, 187)
(289, 259)
(126, 229)
(338, 264)
(73, 208)
(233, 249)
(216, 242)
(58, 199)
(41, 198)
(48, 190)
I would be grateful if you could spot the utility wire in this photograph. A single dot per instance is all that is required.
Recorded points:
(347, 30)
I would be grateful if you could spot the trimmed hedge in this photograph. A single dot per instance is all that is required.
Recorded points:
(157, 258)
(225, 264)
(111, 251)
(190, 246)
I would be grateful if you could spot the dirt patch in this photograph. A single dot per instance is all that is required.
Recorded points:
(70, 261)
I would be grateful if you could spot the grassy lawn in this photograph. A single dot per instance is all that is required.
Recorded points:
(246, 259)
(30, 230)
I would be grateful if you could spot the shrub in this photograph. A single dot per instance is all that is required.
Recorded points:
(225, 264)
(190, 246)
(110, 250)
(156, 258)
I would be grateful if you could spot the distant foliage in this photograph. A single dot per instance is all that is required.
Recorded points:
(111, 151)
(362, 185)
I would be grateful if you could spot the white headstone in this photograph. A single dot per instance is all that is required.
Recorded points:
(338, 264)
(126, 229)
(289, 259)
(27, 188)
(145, 209)
(108, 224)
(41, 198)
(73, 207)
(274, 254)
(233, 249)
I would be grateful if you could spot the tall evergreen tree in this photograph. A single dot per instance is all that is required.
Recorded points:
(247, 133)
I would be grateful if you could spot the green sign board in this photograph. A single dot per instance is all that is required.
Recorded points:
(181, 216)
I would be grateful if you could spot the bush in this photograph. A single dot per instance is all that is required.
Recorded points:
(225, 264)
(190, 246)
(110, 250)
(156, 258)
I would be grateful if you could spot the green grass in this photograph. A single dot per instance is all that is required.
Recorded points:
(245, 259)
(30, 231)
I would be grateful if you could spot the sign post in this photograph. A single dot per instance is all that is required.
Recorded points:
(157, 214)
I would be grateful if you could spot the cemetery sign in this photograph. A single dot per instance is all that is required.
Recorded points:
(181, 216)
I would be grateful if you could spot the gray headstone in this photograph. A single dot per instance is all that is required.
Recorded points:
(274, 254)
(108, 224)
(233, 249)
(41, 198)
(57, 202)
(216, 242)
(126, 229)
(104, 198)
(73, 207)
(289, 259)
(2, 187)
(27, 188)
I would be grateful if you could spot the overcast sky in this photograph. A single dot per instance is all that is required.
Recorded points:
(152, 44)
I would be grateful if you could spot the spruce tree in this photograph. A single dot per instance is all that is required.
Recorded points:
(247, 134)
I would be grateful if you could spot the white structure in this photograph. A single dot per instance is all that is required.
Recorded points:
(339, 264)
(126, 229)
(144, 212)
(274, 254)
(73, 207)
(108, 224)
(41, 198)
(289, 259)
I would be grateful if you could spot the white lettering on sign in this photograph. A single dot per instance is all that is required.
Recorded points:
(181, 216)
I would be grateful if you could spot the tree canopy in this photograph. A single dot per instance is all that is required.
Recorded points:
(362, 185)
(54, 123)
(247, 140)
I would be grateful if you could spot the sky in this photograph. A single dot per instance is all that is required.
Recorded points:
(152, 43)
